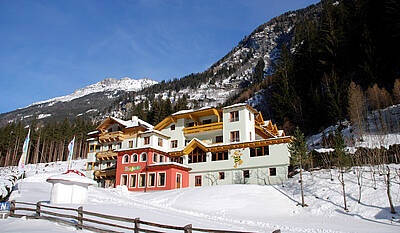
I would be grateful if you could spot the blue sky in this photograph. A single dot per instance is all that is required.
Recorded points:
(51, 48)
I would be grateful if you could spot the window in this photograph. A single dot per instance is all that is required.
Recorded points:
(197, 180)
(208, 121)
(161, 179)
(152, 180)
(250, 116)
(108, 164)
(160, 141)
(130, 144)
(221, 175)
(221, 155)
(172, 127)
(190, 124)
(161, 158)
(155, 157)
(142, 180)
(124, 180)
(187, 142)
(246, 173)
(259, 151)
(234, 116)
(177, 159)
(146, 140)
(110, 147)
(125, 159)
(174, 143)
(197, 156)
(250, 136)
(119, 145)
(91, 148)
(134, 158)
(219, 139)
(234, 136)
(97, 148)
(132, 181)
(143, 157)
(272, 171)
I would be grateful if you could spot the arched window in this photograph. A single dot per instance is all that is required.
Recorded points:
(125, 159)
(143, 157)
(134, 158)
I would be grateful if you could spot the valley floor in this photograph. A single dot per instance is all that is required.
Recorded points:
(231, 207)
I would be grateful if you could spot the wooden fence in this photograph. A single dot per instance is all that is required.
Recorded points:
(77, 219)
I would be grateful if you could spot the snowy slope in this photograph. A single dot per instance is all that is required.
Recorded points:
(234, 207)
(108, 84)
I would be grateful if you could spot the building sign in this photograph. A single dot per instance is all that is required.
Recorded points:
(237, 157)
(5, 206)
(132, 168)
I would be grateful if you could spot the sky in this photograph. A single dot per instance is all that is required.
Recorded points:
(51, 48)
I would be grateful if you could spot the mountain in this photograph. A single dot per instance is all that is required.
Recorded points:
(86, 102)
(219, 84)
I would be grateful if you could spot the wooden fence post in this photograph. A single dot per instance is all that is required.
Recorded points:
(80, 216)
(137, 225)
(188, 228)
(38, 209)
(12, 208)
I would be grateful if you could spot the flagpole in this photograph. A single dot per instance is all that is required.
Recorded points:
(71, 152)
(22, 159)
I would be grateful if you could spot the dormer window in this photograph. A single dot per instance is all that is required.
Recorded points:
(234, 116)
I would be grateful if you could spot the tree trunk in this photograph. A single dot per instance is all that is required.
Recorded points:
(36, 154)
(344, 190)
(301, 188)
(392, 210)
(14, 160)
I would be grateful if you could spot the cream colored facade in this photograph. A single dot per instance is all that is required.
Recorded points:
(233, 145)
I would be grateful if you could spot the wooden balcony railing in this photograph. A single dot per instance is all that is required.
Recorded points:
(106, 155)
(104, 173)
(203, 128)
(111, 136)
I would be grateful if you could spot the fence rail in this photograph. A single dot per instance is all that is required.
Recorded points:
(78, 220)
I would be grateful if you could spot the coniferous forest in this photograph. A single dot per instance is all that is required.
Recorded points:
(352, 41)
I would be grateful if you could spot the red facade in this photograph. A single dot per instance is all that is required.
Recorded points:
(148, 170)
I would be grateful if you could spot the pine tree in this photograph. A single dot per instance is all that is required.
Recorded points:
(299, 155)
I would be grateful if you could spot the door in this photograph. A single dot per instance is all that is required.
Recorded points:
(178, 180)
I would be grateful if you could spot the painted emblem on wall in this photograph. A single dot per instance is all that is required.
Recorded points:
(237, 157)
(132, 168)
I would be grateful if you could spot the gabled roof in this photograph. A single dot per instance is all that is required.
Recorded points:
(135, 122)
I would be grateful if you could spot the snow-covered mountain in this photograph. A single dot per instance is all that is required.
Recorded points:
(107, 85)
(86, 102)
(226, 78)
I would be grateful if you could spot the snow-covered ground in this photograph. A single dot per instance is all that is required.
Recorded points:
(231, 207)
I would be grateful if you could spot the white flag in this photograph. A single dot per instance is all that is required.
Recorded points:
(22, 159)
(71, 152)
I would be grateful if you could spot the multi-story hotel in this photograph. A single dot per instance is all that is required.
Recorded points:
(208, 146)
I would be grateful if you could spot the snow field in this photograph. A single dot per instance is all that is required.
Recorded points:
(232, 207)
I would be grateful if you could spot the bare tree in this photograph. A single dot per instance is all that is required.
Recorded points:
(343, 162)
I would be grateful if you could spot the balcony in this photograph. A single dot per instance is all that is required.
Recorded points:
(111, 136)
(106, 155)
(203, 128)
(105, 173)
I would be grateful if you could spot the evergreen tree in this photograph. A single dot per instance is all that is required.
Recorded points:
(299, 155)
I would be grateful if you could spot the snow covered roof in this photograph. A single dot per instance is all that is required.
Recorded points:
(190, 110)
(168, 163)
(156, 132)
(71, 177)
(133, 123)
(93, 132)
(324, 150)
